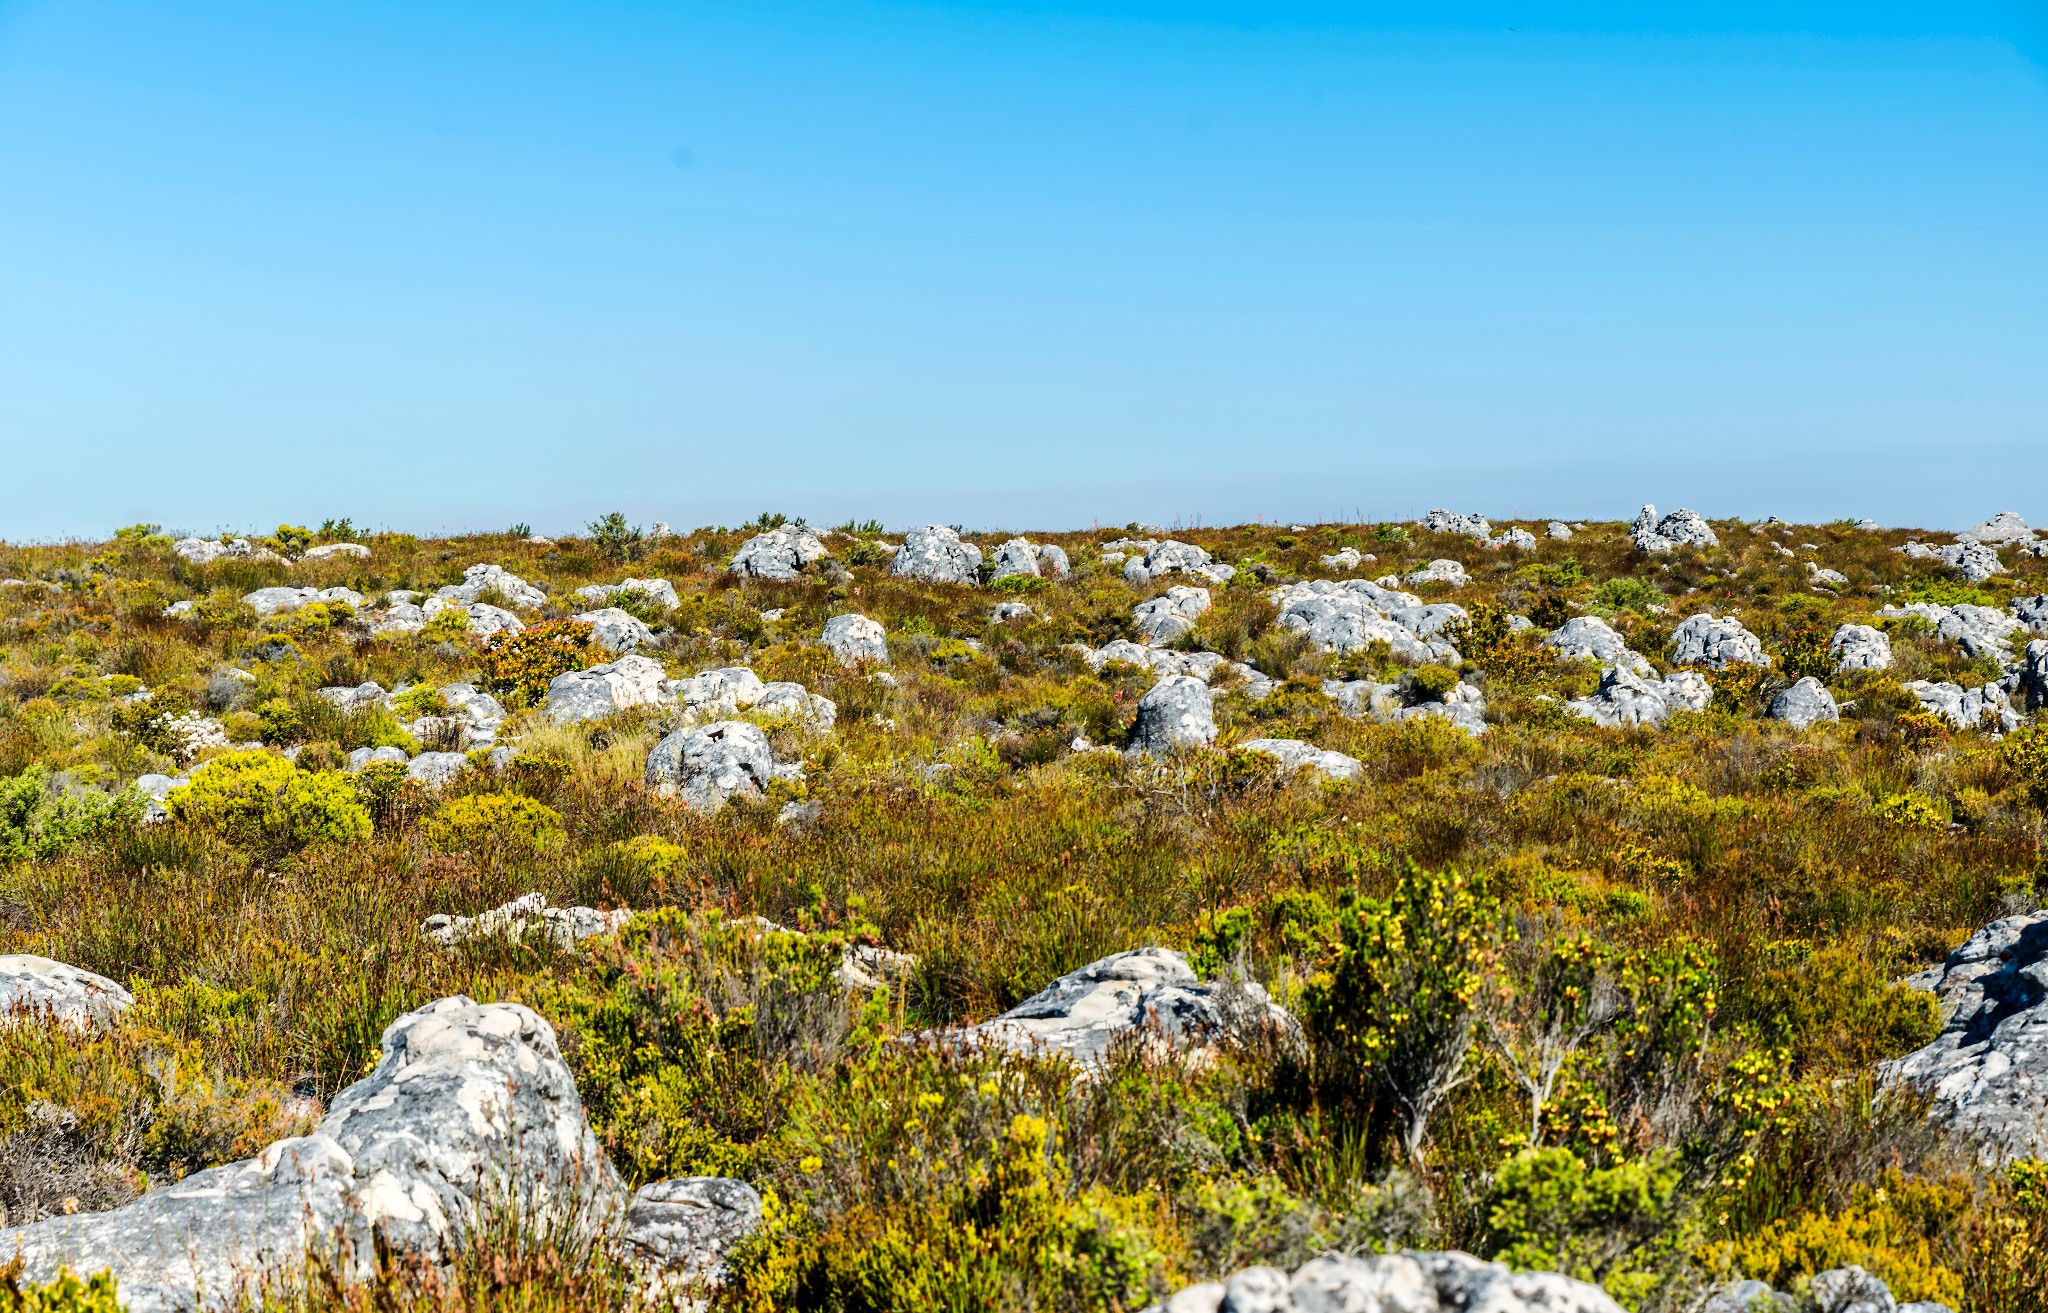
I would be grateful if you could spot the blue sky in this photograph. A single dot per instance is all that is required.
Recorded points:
(451, 266)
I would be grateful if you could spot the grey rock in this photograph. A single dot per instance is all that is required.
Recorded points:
(1294, 755)
(1860, 647)
(1015, 557)
(1443, 570)
(1467, 526)
(782, 553)
(271, 601)
(1625, 698)
(1177, 712)
(1006, 611)
(1805, 704)
(854, 639)
(1589, 638)
(470, 1104)
(480, 579)
(2032, 612)
(484, 619)
(435, 769)
(1681, 528)
(1975, 561)
(1205, 666)
(800, 815)
(360, 698)
(718, 694)
(1362, 698)
(1850, 1290)
(1146, 991)
(2004, 527)
(710, 765)
(1717, 643)
(593, 694)
(328, 551)
(1347, 558)
(1559, 530)
(1174, 557)
(501, 758)
(1519, 539)
(1466, 715)
(204, 551)
(159, 786)
(1748, 1297)
(524, 917)
(679, 1231)
(1407, 1282)
(1343, 617)
(1969, 708)
(2032, 676)
(362, 757)
(1979, 630)
(659, 591)
(1052, 561)
(1171, 614)
(1988, 1068)
(616, 631)
(935, 554)
(785, 700)
(34, 988)
(181, 609)
(1822, 578)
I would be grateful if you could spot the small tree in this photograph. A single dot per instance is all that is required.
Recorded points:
(1397, 1009)
(1564, 997)
(614, 539)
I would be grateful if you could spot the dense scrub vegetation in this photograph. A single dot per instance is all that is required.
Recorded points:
(1604, 1001)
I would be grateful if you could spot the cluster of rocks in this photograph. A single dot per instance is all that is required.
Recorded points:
(1463, 704)
(472, 720)
(1989, 706)
(659, 591)
(1976, 561)
(1681, 528)
(1020, 556)
(272, 601)
(1589, 638)
(1411, 1281)
(1988, 1068)
(781, 553)
(1205, 666)
(1178, 711)
(526, 917)
(1860, 647)
(205, 551)
(470, 1105)
(1347, 558)
(1443, 570)
(936, 554)
(1716, 643)
(1149, 993)
(1294, 755)
(1170, 615)
(1627, 698)
(1151, 559)
(1344, 616)
(1465, 526)
(1837, 1290)
(639, 681)
(1979, 630)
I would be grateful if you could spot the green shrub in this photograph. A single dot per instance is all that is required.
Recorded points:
(260, 800)
(614, 539)
(1396, 1012)
(419, 700)
(1549, 1210)
(480, 820)
(522, 665)
(1625, 594)
(37, 822)
(1021, 583)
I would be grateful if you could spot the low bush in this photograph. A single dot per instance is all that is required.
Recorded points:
(258, 799)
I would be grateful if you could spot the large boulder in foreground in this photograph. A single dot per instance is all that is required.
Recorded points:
(593, 694)
(1625, 698)
(1408, 1282)
(1716, 642)
(34, 988)
(1148, 991)
(1988, 1068)
(470, 1102)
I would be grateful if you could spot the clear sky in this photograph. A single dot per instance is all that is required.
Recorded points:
(453, 265)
